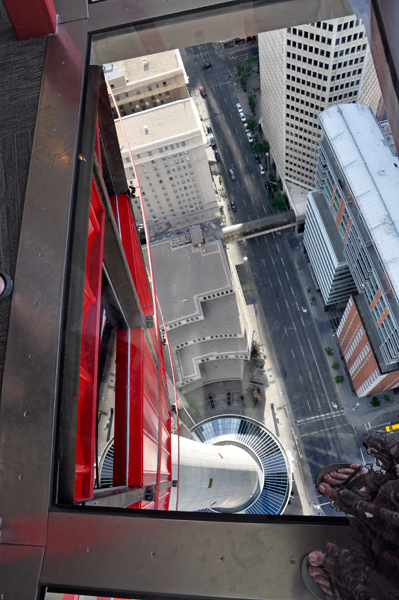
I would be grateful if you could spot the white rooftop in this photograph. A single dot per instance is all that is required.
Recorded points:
(372, 173)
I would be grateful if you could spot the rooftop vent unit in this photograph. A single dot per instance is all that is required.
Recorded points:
(146, 129)
(145, 63)
(382, 172)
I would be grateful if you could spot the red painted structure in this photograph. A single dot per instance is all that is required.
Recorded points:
(32, 18)
(142, 421)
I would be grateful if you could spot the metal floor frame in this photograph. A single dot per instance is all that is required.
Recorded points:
(46, 541)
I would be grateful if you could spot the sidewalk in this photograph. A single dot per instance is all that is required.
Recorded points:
(358, 410)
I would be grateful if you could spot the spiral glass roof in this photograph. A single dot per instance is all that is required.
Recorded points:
(277, 485)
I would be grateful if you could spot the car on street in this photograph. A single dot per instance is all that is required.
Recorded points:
(207, 66)
(211, 139)
(393, 427)
(220, 223)
(246, 127)
(243, 117)
(232, 174)
(249, 136)
(239, 107)
(217, 155)
(261, 169)
(256, 157)
(233, 206)
(202, 91)
(208, 129)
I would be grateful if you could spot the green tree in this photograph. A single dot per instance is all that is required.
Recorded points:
(375, 402)
(313, 300)
(327, 350)
(339, 379)
(387, 398)
(309, 290)
(242, 76)
(252, 125)
(299, 264)
(251, 62)
(335, 366)
(260, 147)
(252, 101)
(278, 202)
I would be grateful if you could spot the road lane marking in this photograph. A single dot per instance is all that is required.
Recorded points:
(240, 164)
(302, 321)
(288, 306)
(276, 244)
(292, 291)
(302, 350)
(235, 149)
(321, 379)
(270, 281)
(264, 209)
(320, 431)
(258, 193)
(245, 179)
(321, 417)
(253, 176)
(241, 142)
(273, 262)
(225, 100)
(257, 241)
(246, 157)
(228, 131)
(278, 307)
(282, 260)
(263, 260)
(244, 201)
(297, 305)
(301, 381)
(287, 274)
(293, 353)
(236, 129)
(253, 203)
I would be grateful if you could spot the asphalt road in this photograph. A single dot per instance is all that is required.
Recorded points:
(219, 111)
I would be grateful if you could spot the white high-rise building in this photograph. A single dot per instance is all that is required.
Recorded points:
(304, 70)
(168, 147)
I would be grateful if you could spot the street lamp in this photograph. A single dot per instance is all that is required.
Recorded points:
(268, 168)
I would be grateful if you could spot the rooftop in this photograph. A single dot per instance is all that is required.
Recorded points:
(372, 173)
(145, 67)
(184, 274)
(329, 225)
(191, 354)
(167, 121)
(298, 198)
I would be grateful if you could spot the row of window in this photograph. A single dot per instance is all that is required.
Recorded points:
(344, 316)
(307, 72)
(352, 50)
(308, 84)
(310, 61)
(166, 148)
(302, 101)
(347, 39)
(118, 98)
(359, 361)
(368, 383)
(352, 346)
(311, 49)
(311, 36)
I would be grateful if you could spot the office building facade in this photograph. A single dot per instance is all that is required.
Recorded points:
(168, 148)
(304, 70)
(141, 83)
(358, 177)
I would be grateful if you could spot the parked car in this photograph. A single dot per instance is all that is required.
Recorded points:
(246, 126)
(239, 108)
(207, 66)
(211, 139)
(250, 138)
(208, 129)
(232, 174)
(202, 91)
(256, 157)
(261, 169)
(243, 118)
(220, 223)
(233, 206)
(217, 155)
(269, 189)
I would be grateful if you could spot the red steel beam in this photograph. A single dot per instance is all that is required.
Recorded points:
(32, 18)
